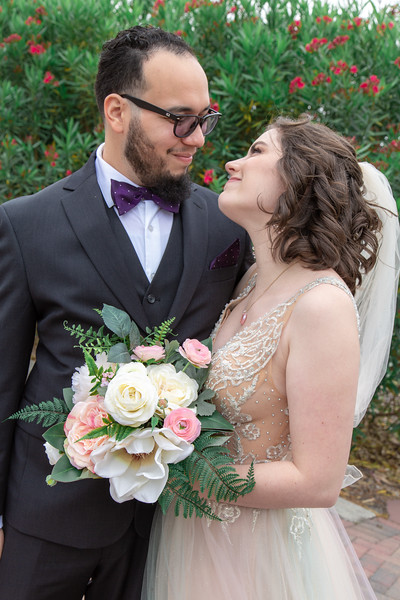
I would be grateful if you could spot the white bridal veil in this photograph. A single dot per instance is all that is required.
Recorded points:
(376, 297)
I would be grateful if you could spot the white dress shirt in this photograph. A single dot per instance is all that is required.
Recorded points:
(147, 225)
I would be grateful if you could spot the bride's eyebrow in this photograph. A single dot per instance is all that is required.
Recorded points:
(256, 144)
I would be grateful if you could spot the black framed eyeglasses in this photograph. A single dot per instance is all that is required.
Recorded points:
(184, 125)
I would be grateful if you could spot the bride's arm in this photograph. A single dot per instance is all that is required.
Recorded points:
(322, 349)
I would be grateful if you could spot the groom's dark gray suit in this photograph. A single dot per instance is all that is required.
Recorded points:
(63, 252)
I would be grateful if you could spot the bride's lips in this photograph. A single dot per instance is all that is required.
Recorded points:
(232, 180)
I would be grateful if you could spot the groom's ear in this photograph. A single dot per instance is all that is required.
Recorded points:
(117, 113)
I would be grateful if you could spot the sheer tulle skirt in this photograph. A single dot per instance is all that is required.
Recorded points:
(301, 554)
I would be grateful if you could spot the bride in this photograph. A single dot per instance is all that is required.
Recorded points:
(285, 369)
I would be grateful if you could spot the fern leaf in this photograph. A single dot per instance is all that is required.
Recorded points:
(47, 413)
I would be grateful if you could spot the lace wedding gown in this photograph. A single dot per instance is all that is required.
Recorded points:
(253, 554)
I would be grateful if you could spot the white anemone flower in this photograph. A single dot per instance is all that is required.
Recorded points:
(137, 467)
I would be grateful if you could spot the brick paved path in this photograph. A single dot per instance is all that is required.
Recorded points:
(377, 543)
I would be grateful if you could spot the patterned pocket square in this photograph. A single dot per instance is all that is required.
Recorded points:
(227, 258)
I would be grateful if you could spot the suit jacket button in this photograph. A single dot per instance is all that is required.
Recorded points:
(151, 299)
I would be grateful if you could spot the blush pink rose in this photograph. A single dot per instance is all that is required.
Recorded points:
(83, 418)
(184, 423)
(196, 353)
(145, 353)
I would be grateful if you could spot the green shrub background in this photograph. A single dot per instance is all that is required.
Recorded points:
(262, 59)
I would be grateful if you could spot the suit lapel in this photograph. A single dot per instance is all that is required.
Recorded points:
(194, 224)
(86, 212)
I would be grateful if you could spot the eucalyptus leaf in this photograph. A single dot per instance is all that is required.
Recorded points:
(55, 436)
(68, 394)
(64, 471)
(134, 335)
(205, 409)
(119, 354)
(215, 421)
(206, 394)
(118, 321)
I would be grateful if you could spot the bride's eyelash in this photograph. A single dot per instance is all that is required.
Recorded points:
(255, 150)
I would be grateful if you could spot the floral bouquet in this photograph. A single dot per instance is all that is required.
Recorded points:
(137, 414)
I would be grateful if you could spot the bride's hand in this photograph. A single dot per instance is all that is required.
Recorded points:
(1, 541)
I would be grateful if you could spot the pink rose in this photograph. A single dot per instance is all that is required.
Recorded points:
(83, 418)
(196, 353)
(184, 423)
(145, 353)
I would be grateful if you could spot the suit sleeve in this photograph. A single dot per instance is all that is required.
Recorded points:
(17, 327)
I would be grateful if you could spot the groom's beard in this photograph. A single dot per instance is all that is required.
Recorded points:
(151, 169)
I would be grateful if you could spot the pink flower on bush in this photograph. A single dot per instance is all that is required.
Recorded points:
(83, 418)
(48, 77)
(145, 353)
(209, 176)
(296, 84)
(184, 423)
(315, 44)
(14, 37)
(37, 49)
(321, 78)
(370, 86)
(196, 353)
(353, 69)
(397, 61)
(294, 28)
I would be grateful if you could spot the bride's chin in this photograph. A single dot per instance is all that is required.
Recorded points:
(229, 211)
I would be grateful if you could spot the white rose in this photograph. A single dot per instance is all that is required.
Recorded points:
(52, 453)
(131, 398)
(177, 389)
(82, 381)
(137, 467)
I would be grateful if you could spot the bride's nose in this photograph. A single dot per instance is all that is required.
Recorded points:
(231, 166)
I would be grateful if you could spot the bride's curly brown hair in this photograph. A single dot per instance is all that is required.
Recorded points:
(322, 218)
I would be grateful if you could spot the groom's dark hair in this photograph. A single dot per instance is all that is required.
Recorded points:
(120, 67)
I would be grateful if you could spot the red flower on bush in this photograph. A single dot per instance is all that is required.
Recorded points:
(214, 105)
(48, 77)
(315, 44)
(325, 18)
(209, 176)
(296, 84)
(370, 87)
(36, 48)
(294, 28)
(321, 78)
(340, 40)
(340, 67)
(41, 10)
(397, 61)
(14, 37)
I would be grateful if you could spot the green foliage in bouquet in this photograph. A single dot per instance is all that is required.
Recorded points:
(205, 472)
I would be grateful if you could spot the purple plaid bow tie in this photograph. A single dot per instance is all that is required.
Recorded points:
(127, 196)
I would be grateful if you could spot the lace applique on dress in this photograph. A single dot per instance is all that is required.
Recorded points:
(241, 376)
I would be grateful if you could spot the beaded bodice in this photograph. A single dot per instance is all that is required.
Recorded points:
(241, 376)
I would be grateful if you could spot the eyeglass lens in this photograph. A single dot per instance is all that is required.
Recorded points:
(186, 125)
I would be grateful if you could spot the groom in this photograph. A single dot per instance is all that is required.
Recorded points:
(78, 244)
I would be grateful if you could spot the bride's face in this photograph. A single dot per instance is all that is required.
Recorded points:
(253, 181)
